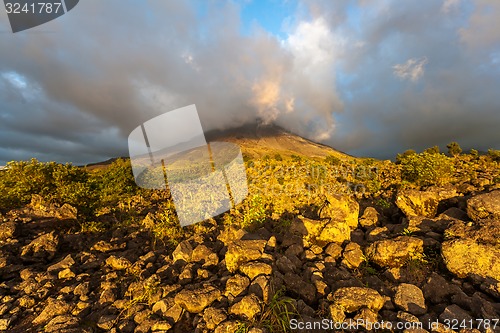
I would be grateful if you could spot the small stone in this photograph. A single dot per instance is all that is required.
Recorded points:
(161, 326)
(255, 268)
(236, 285)
(370, 218)
(285, 265)
(26, 302)
(203, 254)
(66, 274)
(228, 327)
(248, 307)
(106, 322)
(353, 298)
(213, 317)
(118, 263)
(183, 251)
(366, 317)
(7, 230)
(336, 313)
(5, 323)
(43, 247)
(243, 251)
(437, 289)
(82, 289)
(195, 301)
(353, 255)
(303, 289)
(103, 246)
(261, 287)
(334, 250)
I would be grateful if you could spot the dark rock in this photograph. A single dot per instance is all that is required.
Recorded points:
(454, 312)
(303, 289)
(437, 289)
(410, 298)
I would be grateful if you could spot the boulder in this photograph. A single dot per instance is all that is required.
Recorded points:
(410, 298)
(352, 299)
(422, 203)
(465, 257)
(243, 251)
(320, 232)
(484, 206)
(195, 301)
(341, 209)
(334, 232)
(394, 252)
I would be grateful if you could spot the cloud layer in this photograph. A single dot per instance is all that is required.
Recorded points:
(367, 77)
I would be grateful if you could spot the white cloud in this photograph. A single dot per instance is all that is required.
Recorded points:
(411, 70)
(449, 5)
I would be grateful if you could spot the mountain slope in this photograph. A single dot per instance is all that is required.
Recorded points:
(260, 140)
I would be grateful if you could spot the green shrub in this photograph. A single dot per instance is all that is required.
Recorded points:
(426, 169)
(454, 149)
(407, 153)
(494, 154)
(432, 150)
(333, 160)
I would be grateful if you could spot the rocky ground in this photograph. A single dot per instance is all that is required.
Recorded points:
(436, 257)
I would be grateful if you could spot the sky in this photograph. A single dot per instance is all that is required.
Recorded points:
(368, 77)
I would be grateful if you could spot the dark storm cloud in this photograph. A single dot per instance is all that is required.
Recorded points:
(368, 77)
(416, 79)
